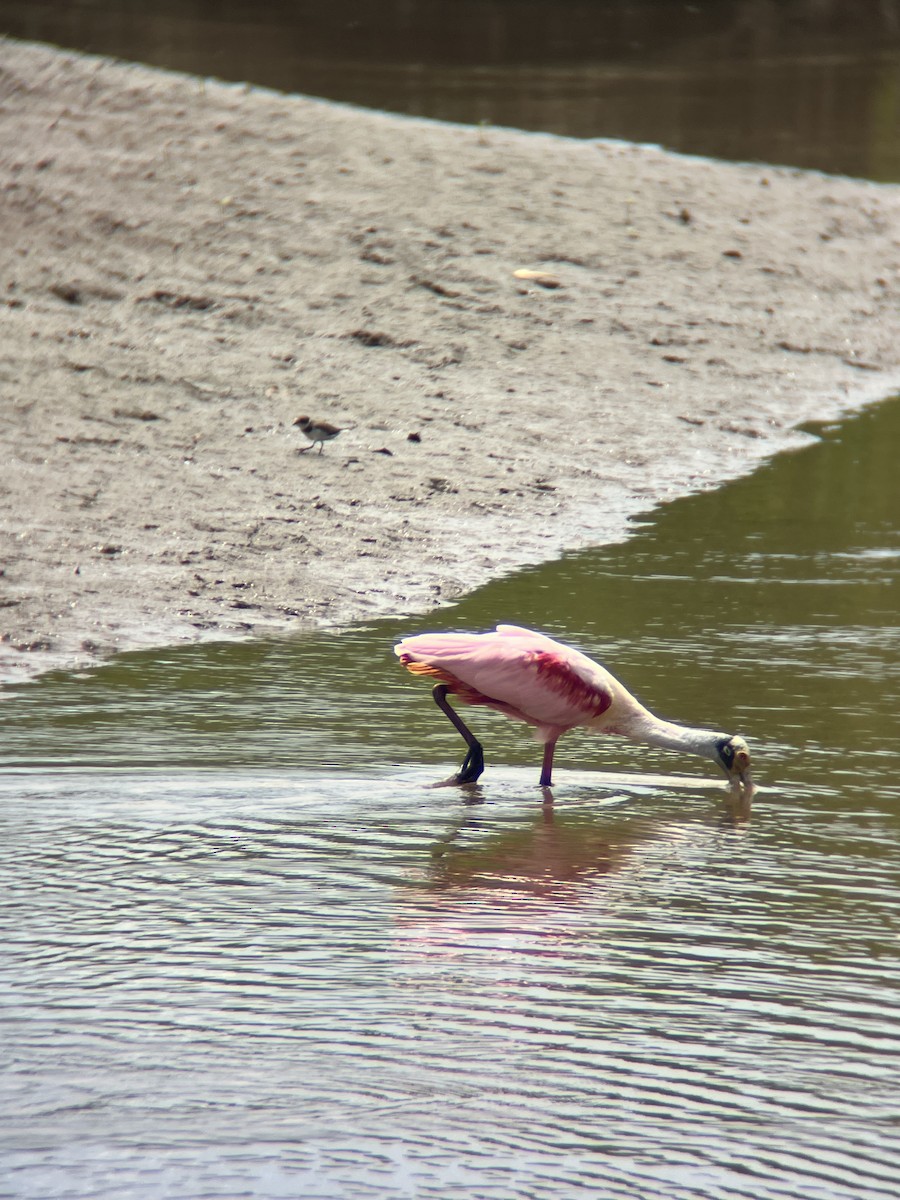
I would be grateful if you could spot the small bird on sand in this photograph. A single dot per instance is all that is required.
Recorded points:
(530, 677)
(316, 431)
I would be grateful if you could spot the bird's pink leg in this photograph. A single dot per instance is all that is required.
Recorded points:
(473, 763)
(547, 765)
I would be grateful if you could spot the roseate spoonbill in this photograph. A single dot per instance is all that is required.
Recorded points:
(316, 431)
(531, 678)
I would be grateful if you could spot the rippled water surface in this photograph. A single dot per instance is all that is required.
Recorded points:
(247, 951)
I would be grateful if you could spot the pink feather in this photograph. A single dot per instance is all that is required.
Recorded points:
(518, 672)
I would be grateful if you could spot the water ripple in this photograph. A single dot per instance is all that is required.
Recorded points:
(248, 951)
(348, 968)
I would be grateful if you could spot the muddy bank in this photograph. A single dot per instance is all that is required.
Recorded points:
(188, 266)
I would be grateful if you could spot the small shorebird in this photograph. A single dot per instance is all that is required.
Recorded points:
(316, 431)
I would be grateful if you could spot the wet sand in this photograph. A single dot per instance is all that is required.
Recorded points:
(188, 266)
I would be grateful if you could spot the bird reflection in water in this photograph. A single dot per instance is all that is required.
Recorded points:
(495, 891)
(559, 851)
(549, 856)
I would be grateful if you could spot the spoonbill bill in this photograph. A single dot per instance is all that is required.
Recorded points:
(532, 678)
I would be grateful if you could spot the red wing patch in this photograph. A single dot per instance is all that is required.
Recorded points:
(557, 675)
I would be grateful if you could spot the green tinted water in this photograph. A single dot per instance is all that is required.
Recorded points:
(249, 951)
(769, 607)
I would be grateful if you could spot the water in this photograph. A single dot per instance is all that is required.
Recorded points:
(809, 84)
(249, 952)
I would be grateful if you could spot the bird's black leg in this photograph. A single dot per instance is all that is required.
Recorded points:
(547, 765)
(473, 764)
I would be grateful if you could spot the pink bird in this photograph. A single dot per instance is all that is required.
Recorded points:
(534, 679)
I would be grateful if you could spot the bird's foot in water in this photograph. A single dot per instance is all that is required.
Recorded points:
(470, 770)
(741, 799)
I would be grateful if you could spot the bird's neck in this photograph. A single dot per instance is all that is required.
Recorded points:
(643, 726)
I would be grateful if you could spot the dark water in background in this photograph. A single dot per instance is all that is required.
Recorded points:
(248, 951)
(812, 83)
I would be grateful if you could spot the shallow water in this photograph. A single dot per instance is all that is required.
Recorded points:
(808, 84)
(249, 951)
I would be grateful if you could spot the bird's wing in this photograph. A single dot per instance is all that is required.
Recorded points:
(531, 636)
(522, 672)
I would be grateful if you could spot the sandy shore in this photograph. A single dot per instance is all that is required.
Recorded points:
(188, 266)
